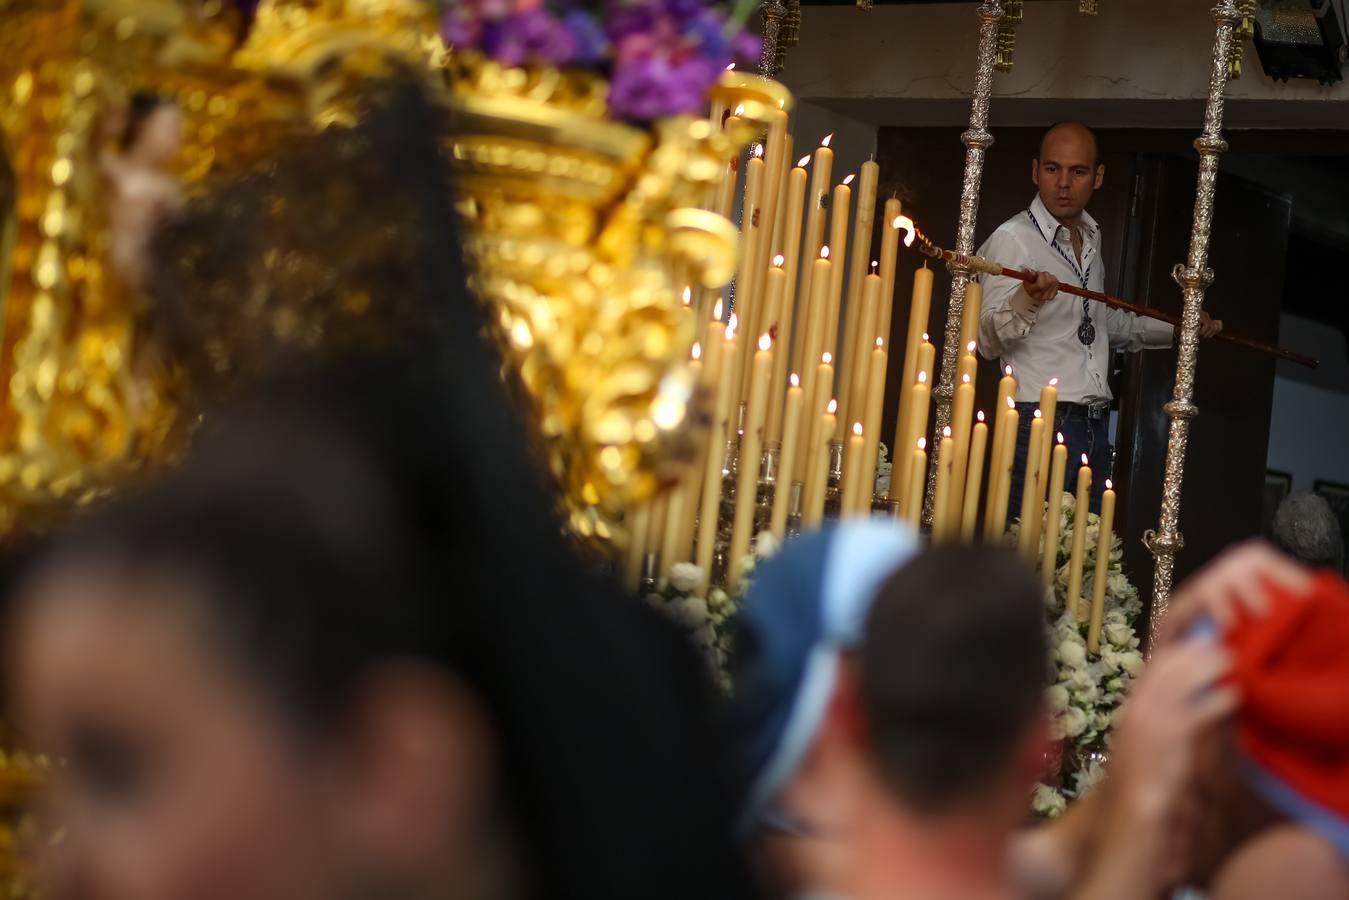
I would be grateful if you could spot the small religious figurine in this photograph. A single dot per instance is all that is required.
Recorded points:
(141, 191)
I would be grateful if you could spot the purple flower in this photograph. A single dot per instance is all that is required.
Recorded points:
(534, 36)
(709, 32)
(651, 86)
(624, 20)
(746, 45)
(460, 30)
(589, 37)
(685, 9)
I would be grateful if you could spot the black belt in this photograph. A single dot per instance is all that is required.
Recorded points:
(1085, 410)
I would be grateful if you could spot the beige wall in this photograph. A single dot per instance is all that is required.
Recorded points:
(1140, 62)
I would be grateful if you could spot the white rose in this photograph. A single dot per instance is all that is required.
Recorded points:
(1119, 635)
(766, 545)
(1074, 722)
(1131, 661)
(1115, 684)
(1071, 653)
(1088, 778)
(1101, 719)
(1117, 584)
(1047, 802)
(1080, 680)
(1088, 695)
(685, 577)
(1056, 698)
(691, 612)
(1115, 616)
(718, 599)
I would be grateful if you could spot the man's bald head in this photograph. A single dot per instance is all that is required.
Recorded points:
(1068, 170)
(1074, 133)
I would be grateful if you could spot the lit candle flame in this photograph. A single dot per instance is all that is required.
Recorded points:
(1053, 382)
(765, 341)
(857, 429)
(832, 407)
(922, 378)
(922, 443)
(965, 379)
(758, 151)
(946, 432)
(1085, 461)
(794, 379)
(1109, 485)
(1011, 404)
(697, 351)
(979, 415)
(827, 138)
(826, 358)
(875, 264)
(849, 179)
(1060, 437)
(824, 252)
(731, 326)
(730, 67)
(688, 295)
(1008, 372)
(716, 310)
(926, 338)
(971, 346)
(779, 261)
(1038, 414)
(880, 342)
(740, 110)
(905, 224)
(803, 161)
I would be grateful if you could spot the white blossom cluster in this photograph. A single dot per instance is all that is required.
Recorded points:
(1088, 688)
(707, 619)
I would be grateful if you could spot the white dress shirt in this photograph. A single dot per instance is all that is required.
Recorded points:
(1040, 344)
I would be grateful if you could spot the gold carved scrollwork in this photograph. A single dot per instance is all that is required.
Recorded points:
(575, 225)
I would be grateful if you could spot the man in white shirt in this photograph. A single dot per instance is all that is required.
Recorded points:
(1070, 338)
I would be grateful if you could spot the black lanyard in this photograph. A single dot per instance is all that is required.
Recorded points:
(1086, 329)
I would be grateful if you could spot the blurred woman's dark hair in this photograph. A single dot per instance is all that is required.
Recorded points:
(364, 503)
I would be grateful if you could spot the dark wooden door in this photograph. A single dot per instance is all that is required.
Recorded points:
(1225, 462)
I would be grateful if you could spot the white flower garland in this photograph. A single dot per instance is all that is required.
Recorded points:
(708, 620)
(1087, 689)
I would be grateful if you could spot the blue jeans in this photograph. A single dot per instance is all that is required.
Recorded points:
(1082, 435)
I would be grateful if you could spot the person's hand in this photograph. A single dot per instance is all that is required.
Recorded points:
(1045, 287)
(1176, 699)
(1209, 326)
(1239, 579)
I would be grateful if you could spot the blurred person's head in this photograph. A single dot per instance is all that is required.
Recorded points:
(1280, 769)
(951, 681)
(793, 694)
(340, 654)
(1306, 529)
(926, 730)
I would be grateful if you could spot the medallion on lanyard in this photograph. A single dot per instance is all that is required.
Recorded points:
(1086, 329)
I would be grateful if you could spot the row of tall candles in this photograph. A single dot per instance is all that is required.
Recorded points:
(799, 392)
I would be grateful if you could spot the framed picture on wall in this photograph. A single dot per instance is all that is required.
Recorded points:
(1337, 495)
(1277, 486)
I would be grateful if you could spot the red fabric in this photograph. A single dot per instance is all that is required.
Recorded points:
(1292, 667)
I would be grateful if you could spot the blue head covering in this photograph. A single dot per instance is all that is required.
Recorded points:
(807, 605)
